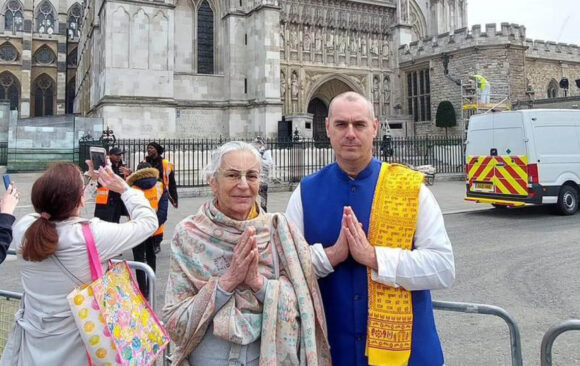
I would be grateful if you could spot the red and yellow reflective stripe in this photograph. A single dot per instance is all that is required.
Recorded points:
(508, 174)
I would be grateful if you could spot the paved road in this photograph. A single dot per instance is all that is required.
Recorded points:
(523, 260)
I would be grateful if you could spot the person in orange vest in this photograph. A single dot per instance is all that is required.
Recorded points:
(108, 205)
(166, 175)
(146, 179)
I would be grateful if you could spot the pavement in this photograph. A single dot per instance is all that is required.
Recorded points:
(448, 190)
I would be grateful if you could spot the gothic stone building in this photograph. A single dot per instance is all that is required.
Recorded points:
(235, 68)
(38, 55)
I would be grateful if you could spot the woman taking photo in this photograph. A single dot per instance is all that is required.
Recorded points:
(53, 260)
(241, 286)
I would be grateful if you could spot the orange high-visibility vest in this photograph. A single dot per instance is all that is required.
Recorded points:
(154, 194)
(102, 196)
(167, 169)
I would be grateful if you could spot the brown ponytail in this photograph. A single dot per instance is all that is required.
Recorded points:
(56, 194)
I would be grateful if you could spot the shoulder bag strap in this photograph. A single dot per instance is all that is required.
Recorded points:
(94, 260)
(65, 270)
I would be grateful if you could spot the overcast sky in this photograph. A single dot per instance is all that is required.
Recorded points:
(548, 20)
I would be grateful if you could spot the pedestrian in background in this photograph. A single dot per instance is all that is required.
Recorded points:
(146, 179)
(53, 261)
(7, 205)
(109, 205)
(166, 176)
(267, 165)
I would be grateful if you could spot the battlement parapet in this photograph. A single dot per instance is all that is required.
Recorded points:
(552, 51)
(507, 34)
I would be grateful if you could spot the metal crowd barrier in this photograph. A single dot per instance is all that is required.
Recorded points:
(464, 307)
(9, 304)
(551, 335)
(149, 273)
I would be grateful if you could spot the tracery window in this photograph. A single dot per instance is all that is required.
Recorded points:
(45, 18)
(44, 56)
(9, 89)
(8, 52)
(72, 58)
(74, 21)
(205, 39)
(43, 96)
(13, 19)
(419, 95)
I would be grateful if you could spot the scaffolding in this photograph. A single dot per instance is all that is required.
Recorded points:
(471, 101)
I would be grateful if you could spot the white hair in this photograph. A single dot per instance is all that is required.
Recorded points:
(218, 154)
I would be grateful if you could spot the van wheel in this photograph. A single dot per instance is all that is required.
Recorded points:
(567, 201)
(501, 207)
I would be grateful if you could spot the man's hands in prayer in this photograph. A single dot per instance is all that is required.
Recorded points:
(360, 248)
(339, 251)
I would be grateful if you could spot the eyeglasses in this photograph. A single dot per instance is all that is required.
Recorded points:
(235, 176)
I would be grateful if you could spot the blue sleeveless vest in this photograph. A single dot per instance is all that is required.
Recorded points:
(344, 292)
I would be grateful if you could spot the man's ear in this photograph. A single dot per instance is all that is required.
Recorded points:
(327, 124)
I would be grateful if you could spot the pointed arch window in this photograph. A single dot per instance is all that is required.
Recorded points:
(9, 89)
(553, 89)
(205, 39)
(70, 95)
(43, 96)
(44, 56)
(45, 18)
(419, 95)
(74, 21)
(72, 58)
(13, 19)
(8, 52)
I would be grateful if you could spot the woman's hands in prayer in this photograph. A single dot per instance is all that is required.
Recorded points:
(244, 266)
(254, 279)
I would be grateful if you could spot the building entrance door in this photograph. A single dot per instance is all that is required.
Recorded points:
(320, 112)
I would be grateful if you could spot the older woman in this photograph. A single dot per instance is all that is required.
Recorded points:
(241, 286)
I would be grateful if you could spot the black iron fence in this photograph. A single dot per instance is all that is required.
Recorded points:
(3, 153)
(293, 160)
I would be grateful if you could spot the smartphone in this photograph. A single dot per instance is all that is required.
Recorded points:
(98, 155)
(6, 178)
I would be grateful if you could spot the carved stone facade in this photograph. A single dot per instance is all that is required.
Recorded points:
(38, 55)
(235, 68)
(331, 47)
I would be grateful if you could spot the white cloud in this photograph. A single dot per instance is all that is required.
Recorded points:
(552, 20)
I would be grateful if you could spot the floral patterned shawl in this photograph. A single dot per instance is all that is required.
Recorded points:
(291, 321)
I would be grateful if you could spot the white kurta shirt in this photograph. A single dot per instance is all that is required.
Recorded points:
(429, 266)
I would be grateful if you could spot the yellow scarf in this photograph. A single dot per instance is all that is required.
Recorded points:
(254, 212)
(392, 223)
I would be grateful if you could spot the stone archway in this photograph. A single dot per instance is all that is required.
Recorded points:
(318, 105)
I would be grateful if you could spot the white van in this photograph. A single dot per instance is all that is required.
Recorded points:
(524, 157)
